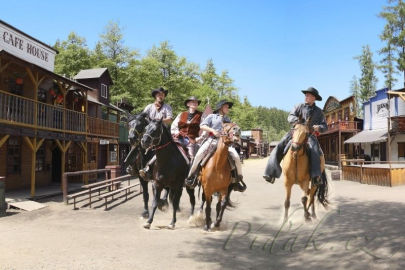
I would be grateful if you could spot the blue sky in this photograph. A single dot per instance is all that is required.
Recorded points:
(272, 49)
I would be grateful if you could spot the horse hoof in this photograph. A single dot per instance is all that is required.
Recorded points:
(216, 225)
(145, 214)
(171, 226)
(207, 228)
(146, 225)
(314, 216)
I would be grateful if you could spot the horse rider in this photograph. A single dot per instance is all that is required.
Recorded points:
(156, 111)
(302, 112)
(186, 126)
(213, 124)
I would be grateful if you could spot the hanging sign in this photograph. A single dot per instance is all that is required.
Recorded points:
(25, 47)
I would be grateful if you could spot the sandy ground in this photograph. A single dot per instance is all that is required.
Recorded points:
(362, 229)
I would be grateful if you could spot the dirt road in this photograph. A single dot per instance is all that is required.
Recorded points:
(362, 229)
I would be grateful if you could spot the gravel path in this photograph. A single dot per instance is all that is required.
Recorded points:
(362, 229)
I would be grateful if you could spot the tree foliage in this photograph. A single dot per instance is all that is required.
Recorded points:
(134, 77)
(368, 80)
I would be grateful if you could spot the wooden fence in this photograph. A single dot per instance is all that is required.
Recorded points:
(381, 173)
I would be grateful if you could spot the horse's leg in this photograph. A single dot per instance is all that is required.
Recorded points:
(218, 206)
(175, 204)
(208, 214)
(287, 200)
(192, 199)
(156, 196)
(311, 202)
(164, 202)
(202, 202)
(304, 201)
(224, 202)
(145, 194)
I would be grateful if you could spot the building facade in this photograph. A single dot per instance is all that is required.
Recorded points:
(342, 124)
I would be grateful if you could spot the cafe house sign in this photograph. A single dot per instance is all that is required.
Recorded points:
(25, 47)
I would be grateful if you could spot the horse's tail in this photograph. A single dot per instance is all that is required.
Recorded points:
(322, 190)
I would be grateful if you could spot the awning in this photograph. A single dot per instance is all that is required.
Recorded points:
(369, 136)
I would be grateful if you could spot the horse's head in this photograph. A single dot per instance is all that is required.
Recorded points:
(153, 134)
(231, 133)
(137, 125)
(299, 136)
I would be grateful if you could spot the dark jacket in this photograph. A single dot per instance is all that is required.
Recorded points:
(305, 111)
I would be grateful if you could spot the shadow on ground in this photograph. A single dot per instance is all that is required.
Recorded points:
(353, 235)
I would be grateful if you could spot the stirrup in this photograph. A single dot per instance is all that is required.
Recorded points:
(191, 182)
(269, 179)
(240, 186)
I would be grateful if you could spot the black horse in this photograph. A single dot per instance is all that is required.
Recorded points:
(171, 168)
(138, 157)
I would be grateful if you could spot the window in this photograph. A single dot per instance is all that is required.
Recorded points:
(401, 149)
(40, 161)
(14, 156)
(104, 90)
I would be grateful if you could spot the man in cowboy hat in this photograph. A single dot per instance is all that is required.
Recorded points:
(158, 110)
(186, 126)
(304, 111)
(213, 124)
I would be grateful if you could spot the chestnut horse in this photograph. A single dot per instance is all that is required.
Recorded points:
(296, 170)
(216, 175)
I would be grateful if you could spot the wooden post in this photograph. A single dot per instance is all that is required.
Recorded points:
(340, 148)
(63, 148)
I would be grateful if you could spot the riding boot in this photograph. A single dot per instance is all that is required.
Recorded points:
(146, 173)
(192, 180)
(240, 184)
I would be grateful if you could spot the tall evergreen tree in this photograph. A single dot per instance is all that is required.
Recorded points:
(368, 80)
(355, 90)
(394, 33)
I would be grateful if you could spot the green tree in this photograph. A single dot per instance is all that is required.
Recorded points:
(355, 90)
(73, 55)
(394, 34)
(368, 80)
(389, 51)
(110, 52)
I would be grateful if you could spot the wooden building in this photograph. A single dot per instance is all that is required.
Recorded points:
(254, 143)
(50, 124)
(42, 114)
(382, 140)
(342, 124)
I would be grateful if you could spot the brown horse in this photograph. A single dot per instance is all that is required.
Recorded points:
(216, 175)
(296, 169)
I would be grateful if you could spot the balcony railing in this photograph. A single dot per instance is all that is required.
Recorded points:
(343, 125)
(102, 127)
(19, 110)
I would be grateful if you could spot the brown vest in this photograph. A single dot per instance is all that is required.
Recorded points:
(191, 129)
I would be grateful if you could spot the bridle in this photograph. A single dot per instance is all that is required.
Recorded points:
(299, 145)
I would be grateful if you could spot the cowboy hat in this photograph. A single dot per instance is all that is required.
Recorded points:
(160, 89)
(192, 98)
(222, 103)
(312, 91)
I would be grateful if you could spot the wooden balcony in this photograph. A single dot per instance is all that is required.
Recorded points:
(345, 126)
(100, 127)
(20, 111)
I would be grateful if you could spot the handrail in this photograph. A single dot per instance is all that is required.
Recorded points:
(66, 174)
(18, 110)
